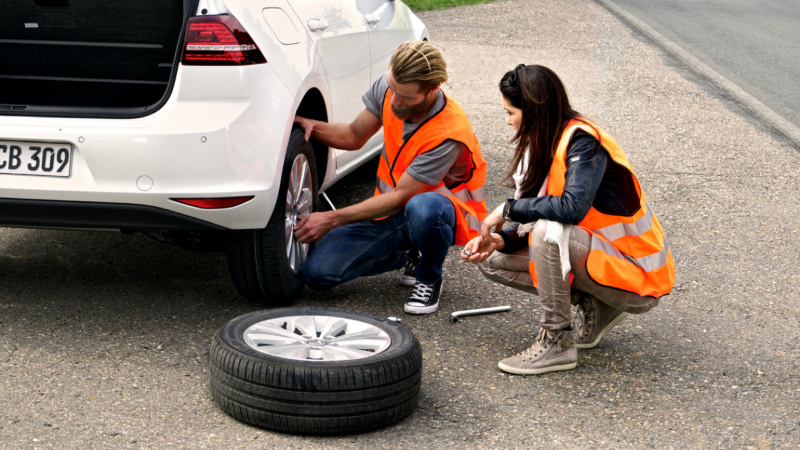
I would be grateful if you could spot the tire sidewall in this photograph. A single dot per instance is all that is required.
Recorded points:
(296, 146)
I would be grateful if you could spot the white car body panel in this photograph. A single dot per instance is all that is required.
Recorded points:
(224, 130)
(340, 44)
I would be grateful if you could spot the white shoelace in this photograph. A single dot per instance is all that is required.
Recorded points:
(421, 292)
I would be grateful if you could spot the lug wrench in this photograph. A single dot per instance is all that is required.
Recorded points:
(456, 316)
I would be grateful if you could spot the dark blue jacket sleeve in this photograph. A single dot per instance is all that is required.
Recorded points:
(512, 240)
(586, 164)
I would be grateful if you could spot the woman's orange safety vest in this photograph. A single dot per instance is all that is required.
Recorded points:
(449, 124)
(627, 253)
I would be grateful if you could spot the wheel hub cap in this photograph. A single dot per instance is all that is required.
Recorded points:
(298, 205)
(320, 338)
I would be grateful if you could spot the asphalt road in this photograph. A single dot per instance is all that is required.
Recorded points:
(753, 43)
(104, 337)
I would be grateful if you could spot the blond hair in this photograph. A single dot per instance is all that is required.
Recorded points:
(418, 62)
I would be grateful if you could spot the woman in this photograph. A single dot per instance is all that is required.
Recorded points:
(585, 233)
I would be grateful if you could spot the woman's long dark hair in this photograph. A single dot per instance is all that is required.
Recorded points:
(546, 111)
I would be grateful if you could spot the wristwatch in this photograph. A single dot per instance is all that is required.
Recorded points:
(507, 210)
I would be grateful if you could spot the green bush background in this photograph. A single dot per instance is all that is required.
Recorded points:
(438, 4)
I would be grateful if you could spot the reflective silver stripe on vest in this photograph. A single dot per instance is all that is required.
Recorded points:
(383, 187)
(472, 221)
(619, 230)
(647, 263)
(385, 157)
(465, 195)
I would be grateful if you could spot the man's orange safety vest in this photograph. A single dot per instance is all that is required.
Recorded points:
(627, 253)
(449, 124)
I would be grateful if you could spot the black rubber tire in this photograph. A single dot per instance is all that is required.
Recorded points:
(315, 397)
(257, 262)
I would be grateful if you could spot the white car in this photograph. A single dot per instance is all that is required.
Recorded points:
(175, 118)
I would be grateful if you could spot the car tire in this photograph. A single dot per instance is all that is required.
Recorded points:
(266, 265)
(258, 374)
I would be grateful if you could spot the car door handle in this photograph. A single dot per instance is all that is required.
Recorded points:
(372, 19)
(317, 24)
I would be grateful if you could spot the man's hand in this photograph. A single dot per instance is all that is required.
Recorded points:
(495, 219)
(306, 124)
(478, 249)
(342, 136)
(314, 227)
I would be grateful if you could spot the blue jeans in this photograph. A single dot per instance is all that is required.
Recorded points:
(368, 248)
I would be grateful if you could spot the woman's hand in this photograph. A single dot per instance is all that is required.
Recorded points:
(478, 249)
(495, 219)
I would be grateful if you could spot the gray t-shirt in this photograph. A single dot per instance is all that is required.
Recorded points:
(450, 162)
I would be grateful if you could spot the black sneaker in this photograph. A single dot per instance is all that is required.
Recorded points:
(424, 299)
(407, 276)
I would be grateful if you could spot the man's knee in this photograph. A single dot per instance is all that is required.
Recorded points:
(427, 207)
(431, 214)
(316, 274)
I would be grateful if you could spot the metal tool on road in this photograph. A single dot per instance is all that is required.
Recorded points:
(457, 315)
(325, 196)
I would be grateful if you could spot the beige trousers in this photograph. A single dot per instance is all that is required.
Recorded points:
(554, 292)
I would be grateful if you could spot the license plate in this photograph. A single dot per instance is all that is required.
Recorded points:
(35, 158)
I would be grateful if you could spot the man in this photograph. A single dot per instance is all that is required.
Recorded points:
(430, 184)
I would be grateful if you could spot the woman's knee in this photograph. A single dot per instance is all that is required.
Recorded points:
(537, 241)
(491, 272)
(539, 231)
(486, 269)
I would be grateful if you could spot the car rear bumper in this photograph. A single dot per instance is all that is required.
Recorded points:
(91, 215)
(222, 134)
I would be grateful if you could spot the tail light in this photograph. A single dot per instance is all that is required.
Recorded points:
(214, 203)
(219, 41)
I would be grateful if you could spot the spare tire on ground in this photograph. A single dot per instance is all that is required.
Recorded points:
(315, 370)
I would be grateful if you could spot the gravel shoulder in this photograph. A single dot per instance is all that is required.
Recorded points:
(104, 337)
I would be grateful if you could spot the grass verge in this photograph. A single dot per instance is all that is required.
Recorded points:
(439, 4)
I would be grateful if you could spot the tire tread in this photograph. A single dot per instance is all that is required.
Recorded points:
(314, 397)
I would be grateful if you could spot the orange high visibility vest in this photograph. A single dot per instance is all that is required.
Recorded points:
(627, 253)
(449, 124)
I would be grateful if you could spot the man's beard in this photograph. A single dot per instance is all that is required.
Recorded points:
(408, 112)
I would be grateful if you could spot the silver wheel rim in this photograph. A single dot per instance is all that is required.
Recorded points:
(317, 338)
(298, 205)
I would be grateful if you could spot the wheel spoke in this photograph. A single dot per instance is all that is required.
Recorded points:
(301, 324)
(372, 334)
(297, 175)
(304, 202)
(288, 228)
(348, 352)
(302, 175)
(295, 351)
(364, 344)
(271, 339)
(290, 196)
(333, 326)
(297, 256)
(289, 252)
(303, 253)
(269, 328)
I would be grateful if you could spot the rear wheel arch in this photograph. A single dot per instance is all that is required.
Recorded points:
(313, 107)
